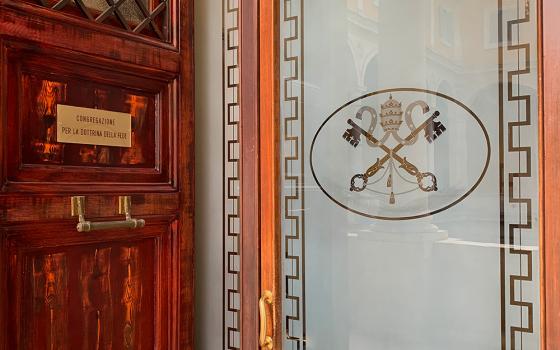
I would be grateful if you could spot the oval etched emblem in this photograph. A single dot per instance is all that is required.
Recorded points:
(400, 154)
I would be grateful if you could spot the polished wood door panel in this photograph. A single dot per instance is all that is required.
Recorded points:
(101, 292)
(40, 78)
(23, 209)
(114, 289)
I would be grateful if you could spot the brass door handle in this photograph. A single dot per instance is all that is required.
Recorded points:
(265, 341)
(79, 210)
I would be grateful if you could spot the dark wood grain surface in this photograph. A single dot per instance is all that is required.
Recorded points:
(114, 289)
(250, 168)
(270, 163)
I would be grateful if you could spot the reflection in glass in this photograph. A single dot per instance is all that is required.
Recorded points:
(464, 278)
(129, 8)
(149, 17)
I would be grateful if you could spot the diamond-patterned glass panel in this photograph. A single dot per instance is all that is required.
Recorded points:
(148, 17)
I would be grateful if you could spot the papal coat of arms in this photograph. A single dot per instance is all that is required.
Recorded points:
(400, 157)
(391, 142)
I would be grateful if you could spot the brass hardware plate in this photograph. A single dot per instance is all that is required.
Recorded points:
(92, 126)
(78, 205)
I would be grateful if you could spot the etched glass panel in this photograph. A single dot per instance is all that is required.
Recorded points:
(231, 196)
(409, 174)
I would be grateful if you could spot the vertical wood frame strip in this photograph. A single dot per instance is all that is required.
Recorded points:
(250, 189)
(550, 168)
(270, 162)
(182, 337)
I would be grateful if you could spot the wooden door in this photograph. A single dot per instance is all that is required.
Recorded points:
(114, 288)
(280, 265)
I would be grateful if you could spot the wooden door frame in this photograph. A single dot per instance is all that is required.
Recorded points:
(186, 312)
(259, 62)
(549, 57)
(258, 41)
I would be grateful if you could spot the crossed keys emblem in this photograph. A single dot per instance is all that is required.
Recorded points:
(391, 121)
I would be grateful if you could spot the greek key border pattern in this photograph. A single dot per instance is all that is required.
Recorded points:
(293, 220)
(514, 230)
(231, 195)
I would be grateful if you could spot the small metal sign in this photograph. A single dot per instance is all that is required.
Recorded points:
(91, 126)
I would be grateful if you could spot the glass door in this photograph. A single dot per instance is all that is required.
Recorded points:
(409, 174)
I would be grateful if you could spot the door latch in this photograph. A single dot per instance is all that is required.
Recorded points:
(265, 341)
(79, 210)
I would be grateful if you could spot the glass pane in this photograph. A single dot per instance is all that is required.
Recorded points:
(409, 155)
(148, 17)
(99, 5)
(129, 9)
